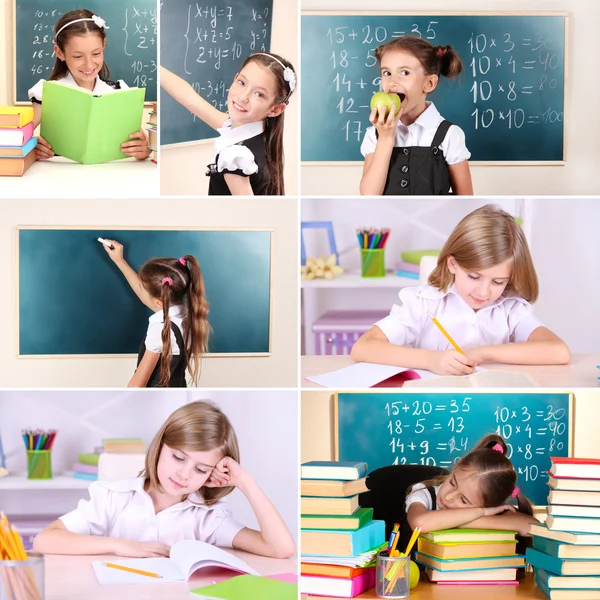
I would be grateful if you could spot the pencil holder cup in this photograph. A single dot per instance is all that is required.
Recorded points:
(22, 579)
(372, 262)
(39, 464)
(392, 577)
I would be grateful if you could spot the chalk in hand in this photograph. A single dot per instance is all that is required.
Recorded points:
(108, 244)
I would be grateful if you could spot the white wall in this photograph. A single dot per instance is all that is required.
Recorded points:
(265, 424)
(277, 370)
(182, 167)
(578, 176)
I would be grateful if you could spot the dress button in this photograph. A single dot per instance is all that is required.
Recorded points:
(435, 150)
(403, 183)
(406, 150)
(404, 169)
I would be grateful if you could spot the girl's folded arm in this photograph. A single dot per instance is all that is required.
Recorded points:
(185, 94)
(434, 520)
(509, 521)
(57, 539)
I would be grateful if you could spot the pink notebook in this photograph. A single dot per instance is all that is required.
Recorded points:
(337, 587)
(16, 137)
(477, 582)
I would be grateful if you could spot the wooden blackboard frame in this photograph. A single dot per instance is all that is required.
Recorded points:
(472, 392)
(20, 228)
(409, 13)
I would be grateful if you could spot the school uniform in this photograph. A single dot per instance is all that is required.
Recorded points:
(239, 151)
(425, 495)
(421, 154)
(508, 319)
(153, 342)
(100, 87)
(122, 509)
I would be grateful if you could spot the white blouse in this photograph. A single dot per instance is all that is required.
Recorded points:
(154, 341)
(420, 494)
(100, 87)
(232, 155)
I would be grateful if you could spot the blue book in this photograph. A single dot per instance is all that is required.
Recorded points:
(329, 469)
(562, 566)
(407, 274)
(18, 151)
(333, 542)
(88, 476)
(564, 582)
(560, 550)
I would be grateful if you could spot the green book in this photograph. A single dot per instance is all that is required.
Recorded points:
(244, 587)
(88, 459)
(469, 535)
(86, 128)
(414, 256)
(356, 520)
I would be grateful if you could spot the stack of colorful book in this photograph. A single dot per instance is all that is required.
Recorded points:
(406, 269)
(469, 556)
(124, 446)
(17, 143)
(153, 133)
(339, 540)
(566, 549)
(86, 466)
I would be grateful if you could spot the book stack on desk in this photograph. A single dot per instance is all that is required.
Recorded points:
(153, 133)
(17, 143)
(339, 540)
(470, 556)
(566, 549)
(86, 466)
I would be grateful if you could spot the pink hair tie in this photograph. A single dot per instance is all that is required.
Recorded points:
(515, 492)
(167, 280)
(498, 448)
(182, 261)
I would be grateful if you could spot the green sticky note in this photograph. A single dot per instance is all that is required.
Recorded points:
(244, 587)
(86, 128)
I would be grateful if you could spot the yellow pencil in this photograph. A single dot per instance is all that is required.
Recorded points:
(138, 571)
(446, 334)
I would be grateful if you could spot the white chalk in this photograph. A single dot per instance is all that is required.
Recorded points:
(103, 241)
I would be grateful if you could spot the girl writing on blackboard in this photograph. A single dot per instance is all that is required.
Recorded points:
(248, 154)
(480, 292)
(178, 331)
(191, 465)
(415, 150)
(79, 42)
(476, 494)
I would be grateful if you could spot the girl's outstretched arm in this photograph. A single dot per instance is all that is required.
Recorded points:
(543, 347)
(274, 538)
(57, 539)
(185, 94)
(460, 179)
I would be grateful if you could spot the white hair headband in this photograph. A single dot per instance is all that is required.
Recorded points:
(288, 74)
(99, 21)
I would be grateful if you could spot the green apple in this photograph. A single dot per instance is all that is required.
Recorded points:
(414, 574)
(382, 100)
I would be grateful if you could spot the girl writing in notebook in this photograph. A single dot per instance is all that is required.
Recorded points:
(476, 494)
(178, 331)
(191, 465)
(481, 293)
(415, 150)
(248, 154)
(79, 41)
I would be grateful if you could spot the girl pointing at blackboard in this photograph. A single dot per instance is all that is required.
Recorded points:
(248, 155)
(415, 150)
(80, 39)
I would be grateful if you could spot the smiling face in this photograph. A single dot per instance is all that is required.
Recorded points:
(460, 490)
(84, 57)
(184, 472)
(252, 95)
(403, 74)
(482, 287)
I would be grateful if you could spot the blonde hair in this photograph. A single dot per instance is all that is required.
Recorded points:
(484, 238)
(199, 427)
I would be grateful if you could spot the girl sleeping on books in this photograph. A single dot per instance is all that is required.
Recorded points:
(248, 155)
(191, 465)
(475, 494)
(481, 293)
(79, 41)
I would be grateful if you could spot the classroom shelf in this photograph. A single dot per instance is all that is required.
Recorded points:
(354, 280)
(58, 482)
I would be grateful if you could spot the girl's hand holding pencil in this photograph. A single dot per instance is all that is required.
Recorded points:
(451, 362)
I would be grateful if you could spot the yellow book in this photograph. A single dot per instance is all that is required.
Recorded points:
(14, 117)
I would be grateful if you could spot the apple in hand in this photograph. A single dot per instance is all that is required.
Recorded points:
(385, 101)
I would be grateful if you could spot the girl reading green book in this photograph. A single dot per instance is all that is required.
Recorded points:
(191, 465)
(79, 41)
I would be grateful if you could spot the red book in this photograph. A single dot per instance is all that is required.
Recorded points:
(575, 468)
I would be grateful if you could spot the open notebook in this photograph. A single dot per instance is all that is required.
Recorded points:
(185, 558)
(367, 375)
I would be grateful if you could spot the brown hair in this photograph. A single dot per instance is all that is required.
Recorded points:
(186, 289)
(435, 60)
(81, 28)
(274, 125)
(484, 238)
(497, 476)
(198, 427)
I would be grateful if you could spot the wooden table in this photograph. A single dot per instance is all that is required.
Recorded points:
(581, 372)
(73, 578)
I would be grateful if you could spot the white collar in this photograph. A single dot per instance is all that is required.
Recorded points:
(229, 136)
(99, 86)
(174, 311)
(428, 119)
(432, 293)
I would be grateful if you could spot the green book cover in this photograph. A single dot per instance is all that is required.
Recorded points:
(244, 587)
(88, 459)
(356, 520)
(86, 128)
(469, 535)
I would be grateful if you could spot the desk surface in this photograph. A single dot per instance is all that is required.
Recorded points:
(581, 372)
(59, 177)
(431, 591)
(73, 578)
